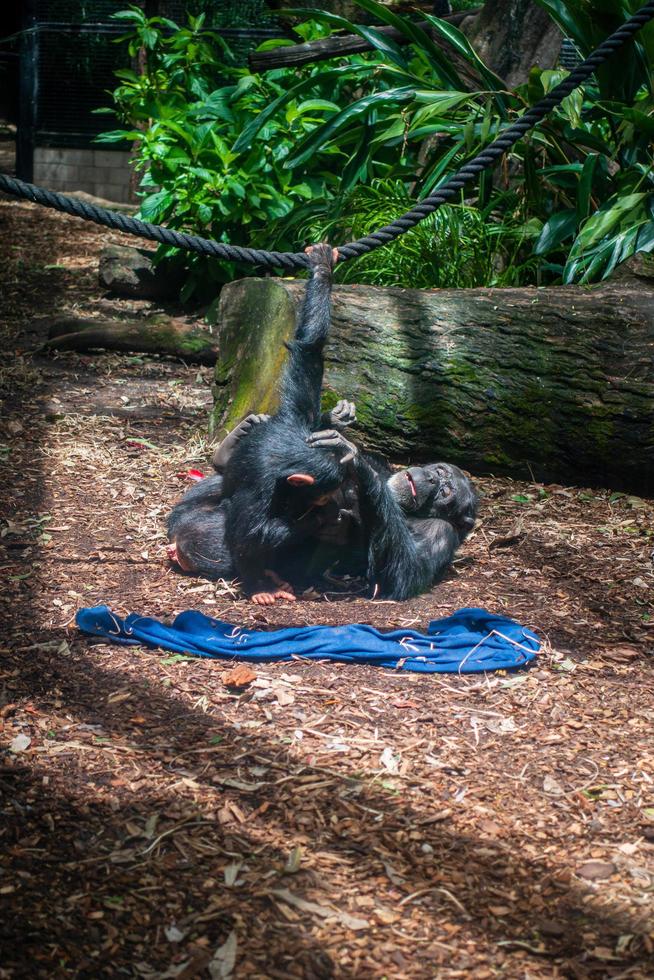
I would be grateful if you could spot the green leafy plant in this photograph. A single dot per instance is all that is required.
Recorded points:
(457, 246)
(186, 110)
(584, 175)
(339, 148)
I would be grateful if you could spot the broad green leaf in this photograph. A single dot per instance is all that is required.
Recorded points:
(137, 16)
(154, 207)
(604, 221)
(395, 131)
(585, 186)
(462, 45)
(323, 134)
(643, 122)
(555, 231)
(356, 168)
(436, 104)
(383, 44)
(624, 247)
(312, 105)
(330, 77)
(149, 37)
(645, 241)
(127, 75)
(119, 136)
(275, 42)
(442, 64)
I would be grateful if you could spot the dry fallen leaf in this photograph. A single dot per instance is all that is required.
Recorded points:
(222, 965)
(324, 912)
(553, 788)
(239, 676)
(621, 652)
(20, 743)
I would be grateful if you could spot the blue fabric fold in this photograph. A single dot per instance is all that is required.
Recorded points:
(469, 641)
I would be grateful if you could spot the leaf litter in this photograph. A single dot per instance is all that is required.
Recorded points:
(169, 817)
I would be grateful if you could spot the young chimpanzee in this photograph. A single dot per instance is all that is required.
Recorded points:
(281, 491)
(196, 526)
(276, 492)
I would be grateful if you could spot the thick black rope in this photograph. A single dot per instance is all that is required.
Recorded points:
(295, 260)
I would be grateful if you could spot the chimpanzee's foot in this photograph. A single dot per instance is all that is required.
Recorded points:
(224, 449)
(343, 413)
(178, 558)
(269, 598)
(283, 591)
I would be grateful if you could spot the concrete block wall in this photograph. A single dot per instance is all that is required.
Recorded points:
(103, 173)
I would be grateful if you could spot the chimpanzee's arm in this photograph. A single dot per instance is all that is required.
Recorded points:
(394, 563)
(395, 567)
(436, 541)
(302, 378)
(343, 413)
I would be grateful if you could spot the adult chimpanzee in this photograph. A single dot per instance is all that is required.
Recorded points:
(414, 520)
(286, 493)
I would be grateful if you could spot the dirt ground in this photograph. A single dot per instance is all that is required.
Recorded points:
(326, 820)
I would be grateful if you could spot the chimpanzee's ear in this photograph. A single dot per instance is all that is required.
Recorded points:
(300, 480)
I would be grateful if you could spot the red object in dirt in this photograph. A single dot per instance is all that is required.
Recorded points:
(193, 475)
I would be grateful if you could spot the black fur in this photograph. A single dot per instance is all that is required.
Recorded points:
(197, 526)
(268, 518)
(413, 520)
(400, 531)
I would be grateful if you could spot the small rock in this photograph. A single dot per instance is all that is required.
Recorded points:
(594, 870)
(131, 272)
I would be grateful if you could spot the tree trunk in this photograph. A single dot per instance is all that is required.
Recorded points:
(513, 36)
(552, 384)
(159, 334)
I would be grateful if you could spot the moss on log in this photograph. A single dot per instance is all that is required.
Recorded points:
(555, 384)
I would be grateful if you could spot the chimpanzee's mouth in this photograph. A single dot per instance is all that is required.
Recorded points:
(414, 492)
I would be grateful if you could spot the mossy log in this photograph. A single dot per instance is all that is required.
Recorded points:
(553, 384)
(157, 334)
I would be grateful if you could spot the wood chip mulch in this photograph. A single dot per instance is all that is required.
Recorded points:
(168, 817)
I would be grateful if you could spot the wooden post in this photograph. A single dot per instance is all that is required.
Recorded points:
(28, 94)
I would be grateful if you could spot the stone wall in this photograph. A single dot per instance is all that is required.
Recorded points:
(103, 173)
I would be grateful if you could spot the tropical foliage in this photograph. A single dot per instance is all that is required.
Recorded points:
(340, 147)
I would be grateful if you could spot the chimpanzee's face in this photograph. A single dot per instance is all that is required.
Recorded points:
(436, 490)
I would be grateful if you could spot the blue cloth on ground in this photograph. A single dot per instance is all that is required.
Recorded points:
(469, 641)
